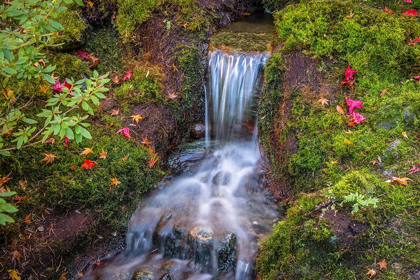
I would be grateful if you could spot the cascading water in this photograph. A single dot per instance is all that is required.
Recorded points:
(205, 225)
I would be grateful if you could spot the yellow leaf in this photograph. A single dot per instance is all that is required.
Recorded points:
(87, 151)
(334, 162)
(14, 274)
(63, 277)
(404, 134)
(340, 109)
(348, 142)
(89, 3)
(136, 118)
(114, 182)
(371, 272)
(49, 158)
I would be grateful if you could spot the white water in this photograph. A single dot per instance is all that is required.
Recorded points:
(183, 229)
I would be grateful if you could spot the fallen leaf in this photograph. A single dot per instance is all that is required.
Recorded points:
(382, 264)
(356, 118)
(334, 162)
(87, 151)
(185, 25)
(103, 154)
(27, 218)
(371, 272)
(413, 42)
(323, 101)
(408, 1)
(410, 13)
(82, 55)
(374, 162)
(349, 73)
(413, 170)
(23, 184)
(153, 160)
(136, 118)
(174, 68)
(16, 256)
(125, 131)
(402, 181)
(93, 60)
(114, 182)
(404, 134)
(340, 109)
(50, 141)
(384, 91)
(389, 11)
(353, 104)
(73, 167)
(14, 275)
(43, 89)
(145, 141)
(115, 112)
(348, 142)
(127, 76)
(9, 94)
(22, 198)
(125, 157)
(90, 3)
(147, 56)
(349, 83)
(417, 78)
(6, 178)
(49, 158)
(115, 80)
(172, 95)
(89, 164)
(351, 15)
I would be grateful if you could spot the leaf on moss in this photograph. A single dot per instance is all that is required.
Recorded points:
(49, 158)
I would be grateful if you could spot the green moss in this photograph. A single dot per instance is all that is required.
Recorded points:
(145, 86)
(74, 27)
(69, 66)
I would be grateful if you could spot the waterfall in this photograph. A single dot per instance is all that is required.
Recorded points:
(233, 83)
(205, 224)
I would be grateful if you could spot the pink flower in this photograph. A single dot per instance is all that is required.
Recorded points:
(82, 55)
(349, 73)
(125, 131)
(410, 13)
(353, 104)
(127, 76)
(357, 118)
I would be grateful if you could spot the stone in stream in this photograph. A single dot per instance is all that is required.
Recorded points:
(200, 246)
(166, 276)
(169, 241)
(190, 158)
(222, 178)
(227, 253)
(143, 274)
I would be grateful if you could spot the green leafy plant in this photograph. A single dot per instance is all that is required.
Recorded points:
(6, 208)
(359, 200)
(168, 24)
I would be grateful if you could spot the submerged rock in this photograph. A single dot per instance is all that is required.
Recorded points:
(190, 158)
(166, 276)
(227, 253)
(143, 274)
(200, 241)
(222, 178)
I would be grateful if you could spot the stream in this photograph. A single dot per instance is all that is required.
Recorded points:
(205, 222)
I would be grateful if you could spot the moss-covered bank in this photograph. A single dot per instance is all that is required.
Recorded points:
(348, 211)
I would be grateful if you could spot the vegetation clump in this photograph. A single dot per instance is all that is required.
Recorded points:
(363, 173)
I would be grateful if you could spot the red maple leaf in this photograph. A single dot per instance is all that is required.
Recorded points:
(353, 104)
(415, 41)
(408, 1)
(389, 11)
(82, 55)
(356, 118)
(125, 131)
(88, 164)
(417, 78)
(415, 169)
(59, 87)
(410, 13)
(349, 73)
(127, 76)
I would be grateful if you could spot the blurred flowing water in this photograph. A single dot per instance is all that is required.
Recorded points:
(206, 224)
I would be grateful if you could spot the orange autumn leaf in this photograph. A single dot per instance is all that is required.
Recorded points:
(384, 91)
(172, 95)
(351, 15)
(43, 89)
(4, 179)
(114, 182)
(402, 181)
(174, 67)
(371, 272)
(115, 80)
(382, 264)
(16, 198)
(63, 276)
(323, 101)
(153, 160)
(28, 218)
(125, 157)
(115, 112)
(49, 158)
(87, 151)
(103, 154)
(73, 167)
(16, 256)
(146, 141)
(340, 109)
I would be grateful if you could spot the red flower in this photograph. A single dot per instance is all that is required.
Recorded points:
(353, 104)
(88, 164)
(127, 76)
(349, 73)
(125, 131)
(82, 55)
(59, 87)
(410, 13)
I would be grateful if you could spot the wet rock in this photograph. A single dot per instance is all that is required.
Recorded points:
(198, 131)
(392, 149)
(168, 240)
(165, 276)
(121, 275)
(387, 125)
(409, 115)
(227, 253)
(388, 173)
(222, 178)
(200, 241)
(190, 158)
(143, 274)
